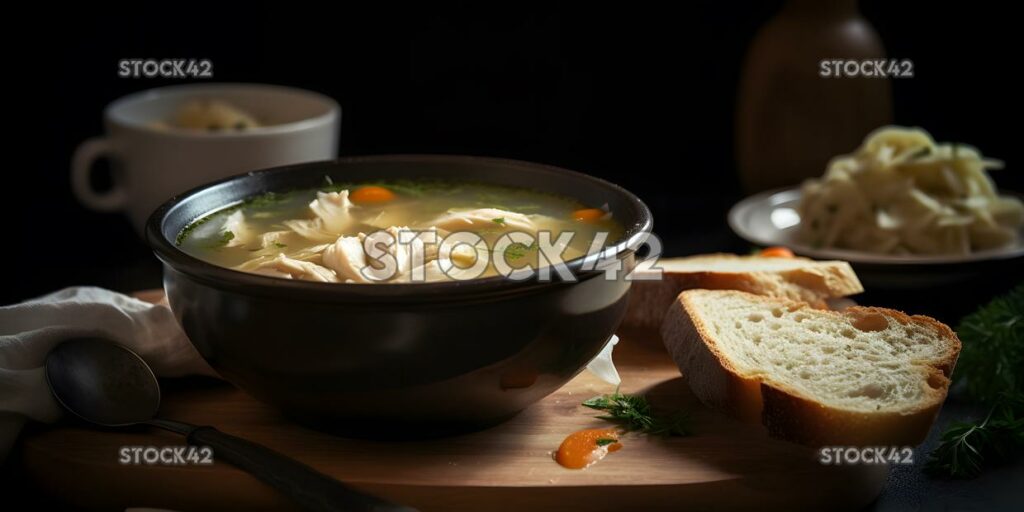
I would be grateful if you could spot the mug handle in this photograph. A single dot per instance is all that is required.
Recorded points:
(81, 168)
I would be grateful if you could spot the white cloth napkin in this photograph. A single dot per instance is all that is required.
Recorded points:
(29, 330)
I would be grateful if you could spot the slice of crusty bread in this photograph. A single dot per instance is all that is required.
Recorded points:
(863, 377)
(794, 278)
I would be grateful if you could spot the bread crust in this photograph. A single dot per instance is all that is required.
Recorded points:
(814, 284)
(784, 411)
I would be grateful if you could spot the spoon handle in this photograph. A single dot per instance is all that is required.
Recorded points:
(307, 487)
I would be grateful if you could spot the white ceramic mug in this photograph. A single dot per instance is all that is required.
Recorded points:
(151, 164)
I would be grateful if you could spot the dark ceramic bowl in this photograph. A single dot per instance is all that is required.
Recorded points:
(396, 359)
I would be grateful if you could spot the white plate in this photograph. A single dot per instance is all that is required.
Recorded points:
(771, 218)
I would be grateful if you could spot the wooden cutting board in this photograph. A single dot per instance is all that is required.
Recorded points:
(724, 465)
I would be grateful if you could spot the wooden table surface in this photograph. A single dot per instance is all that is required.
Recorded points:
(725, 464)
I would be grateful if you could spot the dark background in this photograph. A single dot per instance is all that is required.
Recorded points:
(640, 96)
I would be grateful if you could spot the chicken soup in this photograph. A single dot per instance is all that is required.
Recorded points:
(400, 232)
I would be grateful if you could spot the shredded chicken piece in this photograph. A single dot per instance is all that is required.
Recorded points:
(241, 234)
(333, 217)
(283, 266)
(346, 257)
(333, 209)
(481, 217)
(275, 239)
(311, 254)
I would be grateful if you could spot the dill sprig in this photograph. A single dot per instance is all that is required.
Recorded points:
(991, 368)
(967, 448)
(992, 357)
(635, 413)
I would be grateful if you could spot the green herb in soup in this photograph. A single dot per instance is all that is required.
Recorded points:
(402, 231)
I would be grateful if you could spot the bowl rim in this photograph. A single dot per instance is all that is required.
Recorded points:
(168, 252)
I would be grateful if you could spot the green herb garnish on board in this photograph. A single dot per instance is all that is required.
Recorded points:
(634, 412)
(605, 441)
(499, 221)
(992, 355)
(991, 370)
(968, 448)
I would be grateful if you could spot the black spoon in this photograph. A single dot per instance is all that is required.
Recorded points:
(108, 385)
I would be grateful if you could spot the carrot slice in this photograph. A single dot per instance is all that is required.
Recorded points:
(777, 252)
(588, 214)
(371, 194)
